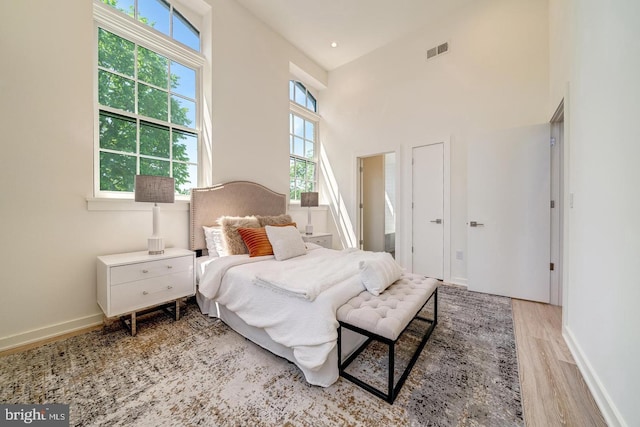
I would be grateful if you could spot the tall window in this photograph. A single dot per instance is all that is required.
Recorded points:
(148, 106)
(303, 141)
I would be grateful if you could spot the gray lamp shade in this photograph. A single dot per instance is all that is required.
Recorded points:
(157, 189)
(309, 199)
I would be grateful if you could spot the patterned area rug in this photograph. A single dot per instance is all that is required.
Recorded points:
(197, 371)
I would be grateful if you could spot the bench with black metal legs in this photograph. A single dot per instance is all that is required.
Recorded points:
(384, 318)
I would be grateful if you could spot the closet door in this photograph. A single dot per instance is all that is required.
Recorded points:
(428, 210)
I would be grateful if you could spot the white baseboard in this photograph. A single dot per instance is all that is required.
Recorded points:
(609, 411)
(461, 281)
(35, 335)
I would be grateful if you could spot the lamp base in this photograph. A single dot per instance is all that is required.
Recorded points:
(308, 230)
(156, 245)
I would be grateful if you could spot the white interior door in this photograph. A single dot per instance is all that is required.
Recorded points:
(428, 210)
(509, 213)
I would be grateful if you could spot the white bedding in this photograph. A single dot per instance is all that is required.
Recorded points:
(306, 279)
(308, 328)
(201, 266)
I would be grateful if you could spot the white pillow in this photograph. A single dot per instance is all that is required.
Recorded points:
(286, 242)
(378, 272)
(215, 241)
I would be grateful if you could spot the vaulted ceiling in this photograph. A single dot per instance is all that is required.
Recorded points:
(357, 26)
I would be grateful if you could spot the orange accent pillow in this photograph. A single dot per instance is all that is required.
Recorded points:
(257, 241)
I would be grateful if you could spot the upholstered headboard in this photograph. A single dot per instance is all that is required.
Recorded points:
(236, 198)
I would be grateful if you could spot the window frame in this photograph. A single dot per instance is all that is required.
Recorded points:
(307, 95)
(122, 25)
(310, 116)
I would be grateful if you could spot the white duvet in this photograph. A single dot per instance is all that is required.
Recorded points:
(308, 279)
(307, 326)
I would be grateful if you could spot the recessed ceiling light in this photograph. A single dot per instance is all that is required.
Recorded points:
(334, 44)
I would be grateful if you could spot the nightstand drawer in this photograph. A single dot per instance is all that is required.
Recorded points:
(132, 296)
(321, 239)
(145, 270)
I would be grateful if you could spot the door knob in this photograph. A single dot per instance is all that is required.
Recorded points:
(437, 221)
(475, 224)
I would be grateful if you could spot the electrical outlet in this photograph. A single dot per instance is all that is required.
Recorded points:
(459, 255)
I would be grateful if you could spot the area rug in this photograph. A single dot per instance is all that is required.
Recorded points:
(197, 371)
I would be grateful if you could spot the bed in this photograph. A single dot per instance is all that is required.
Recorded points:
(298, 328)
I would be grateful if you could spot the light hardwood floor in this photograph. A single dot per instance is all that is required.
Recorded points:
(553, 390)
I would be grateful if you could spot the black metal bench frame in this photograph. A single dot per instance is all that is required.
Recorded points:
(392, 392)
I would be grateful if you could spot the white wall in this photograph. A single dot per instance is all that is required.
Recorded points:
(560, 42)
(603, 324)
(495, 76)
(251, 98)
(49, 238)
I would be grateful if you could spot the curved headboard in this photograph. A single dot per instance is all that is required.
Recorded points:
(235, 198)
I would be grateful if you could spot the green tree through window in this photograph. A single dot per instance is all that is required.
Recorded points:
(303, 144)
(147, 112)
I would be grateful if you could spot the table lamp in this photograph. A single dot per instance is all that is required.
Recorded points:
(309, 200)
(156, 189)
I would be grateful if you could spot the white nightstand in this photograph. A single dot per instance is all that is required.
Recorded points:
(322, 239)
(135, 281)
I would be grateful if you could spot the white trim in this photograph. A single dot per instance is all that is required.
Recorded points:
(566, 218)
(357, 188)
(556, 213)
(96, 111)
(40, 334)
(306, 113)
(125, 26)
(307, 117)
(146, 119)
(446, 267)
(558, 286)
(447, 210)
(460, 281)
(112, 19)
(612, 416)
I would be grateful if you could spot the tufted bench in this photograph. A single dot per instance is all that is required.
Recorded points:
(383, 318)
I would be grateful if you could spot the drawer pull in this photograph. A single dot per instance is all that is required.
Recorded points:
(155, 292)
(145, 271)
(169, 266)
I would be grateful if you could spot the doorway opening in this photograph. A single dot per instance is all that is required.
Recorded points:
(378, 203)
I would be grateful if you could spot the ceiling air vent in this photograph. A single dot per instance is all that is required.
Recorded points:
(438, 50)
